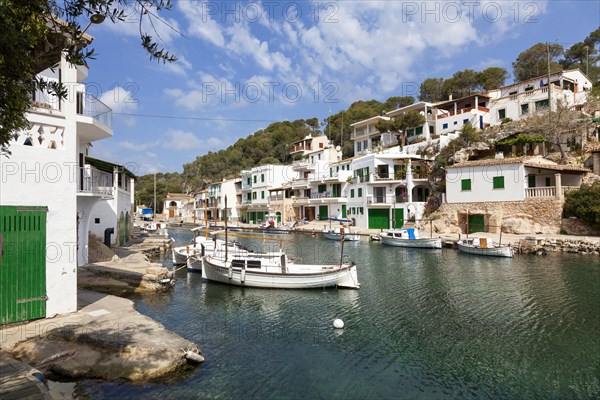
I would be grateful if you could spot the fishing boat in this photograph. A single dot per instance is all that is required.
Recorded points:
(484, 247)
(276, 271)
(335, 234)
(409, 237)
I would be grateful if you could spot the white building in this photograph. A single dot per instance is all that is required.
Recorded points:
(179, 206)
(510, 179)
(112, 218)
(48, 192)
(216, 194)
(387, 189)
(521, 99)
(255, 186)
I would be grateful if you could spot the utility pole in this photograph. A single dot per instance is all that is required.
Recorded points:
(549, 86)
(154, 208)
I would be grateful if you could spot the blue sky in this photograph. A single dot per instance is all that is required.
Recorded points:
(243, 65)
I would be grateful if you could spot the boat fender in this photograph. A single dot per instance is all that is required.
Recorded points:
(230, 272)
(243, 275)
(194, 357)
(338, 324)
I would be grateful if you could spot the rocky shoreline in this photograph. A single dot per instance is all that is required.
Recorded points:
(542, 246)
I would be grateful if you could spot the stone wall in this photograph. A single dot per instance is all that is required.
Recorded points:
(532, 216)
(541, 246)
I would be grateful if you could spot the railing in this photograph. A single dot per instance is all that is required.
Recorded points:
(90, 106)
(299, 148)
(547, 191)
(92, 180)
(246, 201)
(276, 198)
(463, 111)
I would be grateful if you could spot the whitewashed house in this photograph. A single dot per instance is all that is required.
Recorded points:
(255, 186)
(521, 99)
(179, 206)
(111, 220)
(216, 194)
(488, 194)
(47, 193)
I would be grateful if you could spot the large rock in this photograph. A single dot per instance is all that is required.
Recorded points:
(573, 226)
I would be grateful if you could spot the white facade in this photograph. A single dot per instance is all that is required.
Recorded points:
(522, 99)
(116, 213)
(513, 179)
(255, 187)
(47, 169)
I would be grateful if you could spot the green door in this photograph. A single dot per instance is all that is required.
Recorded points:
(22, 263)
(343, 211)
(398, 218)
(531, 181)
(323, 213)
(379, 218)
(476, 223)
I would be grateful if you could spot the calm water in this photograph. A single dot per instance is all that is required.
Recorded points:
(426, 324)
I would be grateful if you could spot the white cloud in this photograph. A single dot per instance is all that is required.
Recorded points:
(180, 67)
(201, 24)
(120, 100)
(177, 139)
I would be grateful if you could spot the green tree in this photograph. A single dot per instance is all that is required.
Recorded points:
(469, 135)
(33, 39)
(395, 102)
(533, 62)
(431, 90)
(400, 124)
(583, 55)
(585, 204)
(492, 78)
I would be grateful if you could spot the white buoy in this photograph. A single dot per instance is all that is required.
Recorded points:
(338, 324)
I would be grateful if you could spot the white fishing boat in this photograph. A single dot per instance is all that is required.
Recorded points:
(277, 271)
(484, 247)
(409, 237)
(191, 254)
(335, 234)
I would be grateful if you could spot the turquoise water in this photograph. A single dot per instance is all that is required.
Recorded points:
(426, 324)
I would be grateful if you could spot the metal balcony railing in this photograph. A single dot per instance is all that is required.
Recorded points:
(92, 180)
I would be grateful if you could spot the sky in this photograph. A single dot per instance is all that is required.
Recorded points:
(244, 65)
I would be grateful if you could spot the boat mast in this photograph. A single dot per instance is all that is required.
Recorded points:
(154, 203)
(206, 218)
(342, 241)
(467, 223)
(225, 221)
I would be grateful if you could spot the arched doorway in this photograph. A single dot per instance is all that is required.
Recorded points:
(172, 207)
(401, 194)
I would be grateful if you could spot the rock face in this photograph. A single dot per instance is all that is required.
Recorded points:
(121, 344)
(541, 246)
(575, 227)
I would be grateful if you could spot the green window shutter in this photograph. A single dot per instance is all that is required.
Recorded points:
(359, 192)
(262, 194)
(465, 184)
(330, 172)
(254, 178)
(498, 182)
(262, 177)
(351, 193)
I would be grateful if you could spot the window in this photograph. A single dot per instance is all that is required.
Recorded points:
(445, 126)
(359, 192)
(548, 181)
(419, 130)
(97, 220)
(262, 177)
(330, 172)
(361, 209)
(540, 105)
(358, 146)
(465, 184)
(365, 144)
(254, 178)
(465, 121)
(351, 193)
(249, 181)
(322, 188)
(455, 122)
(431, 130)
(498, 182)
(502, 113)
(253, 195)
(524, 109)
(249, 196)
(262, 194)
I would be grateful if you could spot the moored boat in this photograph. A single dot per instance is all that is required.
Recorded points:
(277, 271)
(484, 247)
(409, 237)
(335, 234)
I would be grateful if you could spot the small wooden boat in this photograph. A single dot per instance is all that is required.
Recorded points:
(335, 234)
(484, 247)
(278, 272)
(409, 237)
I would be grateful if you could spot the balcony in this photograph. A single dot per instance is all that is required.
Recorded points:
(462, 111)
(547, 191)
(92, 181)
(94, 120)
(297, 149)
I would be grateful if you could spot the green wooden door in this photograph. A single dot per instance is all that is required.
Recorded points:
(343, 211)
(476, 223)
(379, 218)
(22, 263)
(398, 218)
(323, 213)
(531, 181)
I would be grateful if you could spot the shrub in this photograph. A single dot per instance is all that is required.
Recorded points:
(585, 204)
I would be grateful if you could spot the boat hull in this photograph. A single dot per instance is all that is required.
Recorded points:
(502, 251)
(423, 243)
(332, 275)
